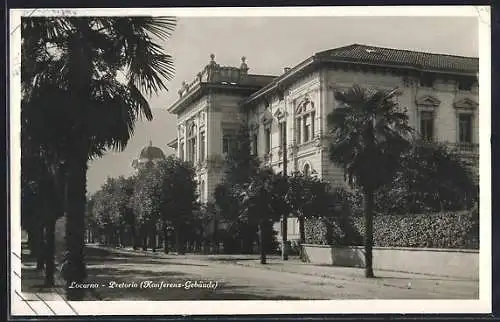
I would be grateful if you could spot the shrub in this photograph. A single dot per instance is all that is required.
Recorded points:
(338, 230)
(458, 230)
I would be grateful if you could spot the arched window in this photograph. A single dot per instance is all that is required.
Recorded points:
(305, 114)
(307, 170)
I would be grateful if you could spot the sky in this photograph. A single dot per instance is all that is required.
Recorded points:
(269, 45)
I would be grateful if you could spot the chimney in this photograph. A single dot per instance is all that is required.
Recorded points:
(286, 69)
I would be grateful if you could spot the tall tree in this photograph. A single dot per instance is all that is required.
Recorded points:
(240, 166)
(87, 77)
(369, 134)
(178, 196)
(307, 196)
(146, 203)
(261, 202)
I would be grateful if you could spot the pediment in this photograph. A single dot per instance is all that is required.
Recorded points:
(428, 100)
(466, 103)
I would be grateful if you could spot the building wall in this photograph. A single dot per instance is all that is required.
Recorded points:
(446, 91)
(213, 113)
(219, 112)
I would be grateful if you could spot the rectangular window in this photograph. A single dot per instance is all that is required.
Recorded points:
(307, 128)
(191, 150)
(267, 134)
(181, 151)
(427, 125)
(282, 134)
(465, 128)
(313, 115)
(202, 146)
(298, 127)
(225, 144)
(255, 142)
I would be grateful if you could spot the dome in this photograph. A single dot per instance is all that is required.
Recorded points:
(151, 153)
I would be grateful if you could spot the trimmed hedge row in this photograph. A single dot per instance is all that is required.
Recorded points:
(457, 230)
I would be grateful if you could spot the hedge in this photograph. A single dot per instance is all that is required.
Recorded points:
(457, 230)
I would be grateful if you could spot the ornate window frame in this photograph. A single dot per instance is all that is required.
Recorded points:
(266, 120)
(427, 103)
(192, 140)
(465, 106)
(303, 110)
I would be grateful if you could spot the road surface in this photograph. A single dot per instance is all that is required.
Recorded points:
(124, 275)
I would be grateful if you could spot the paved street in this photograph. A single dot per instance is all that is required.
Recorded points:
(244, 278)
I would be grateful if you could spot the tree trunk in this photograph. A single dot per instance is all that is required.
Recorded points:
(144, 239)
(152, 238)
(50, 252)
(262, 243)
(179, 242)
(165, 239)
(215, 235)
(302, 236)
(134, 237)
(302, 230)
(75, 223)
(284, 234)
(368, 205)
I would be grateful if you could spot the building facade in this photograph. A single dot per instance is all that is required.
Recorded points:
(440, 93)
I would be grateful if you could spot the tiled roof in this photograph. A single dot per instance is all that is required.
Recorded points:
(404, 58)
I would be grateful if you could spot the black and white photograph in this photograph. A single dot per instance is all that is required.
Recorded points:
(250, 160)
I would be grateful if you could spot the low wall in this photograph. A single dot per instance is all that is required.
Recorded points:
(460, 263)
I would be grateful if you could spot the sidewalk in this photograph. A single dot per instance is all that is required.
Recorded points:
(32, 280)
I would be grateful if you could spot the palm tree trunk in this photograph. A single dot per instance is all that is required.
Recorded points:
(75, 223)
(262, 244)
(50, 252)
(39, 246)
(368, 205)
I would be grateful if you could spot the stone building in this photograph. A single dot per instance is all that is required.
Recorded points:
(439, 91)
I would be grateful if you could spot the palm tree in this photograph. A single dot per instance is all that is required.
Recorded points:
(85, 78)
(369, 133)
